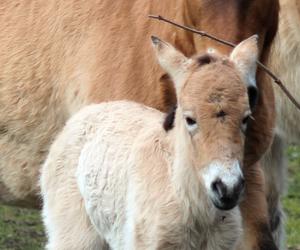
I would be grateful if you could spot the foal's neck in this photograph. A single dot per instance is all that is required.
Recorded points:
(185, 179)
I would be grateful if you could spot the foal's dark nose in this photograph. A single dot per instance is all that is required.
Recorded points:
(227, 196)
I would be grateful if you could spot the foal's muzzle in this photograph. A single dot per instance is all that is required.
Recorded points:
(227, 197)
(225, 183)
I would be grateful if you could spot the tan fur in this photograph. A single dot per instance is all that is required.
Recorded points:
(142, 187)
(58, 56)
(55, 59)
(285, 62)
(52, 64)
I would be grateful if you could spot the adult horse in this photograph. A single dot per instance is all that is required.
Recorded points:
(285, 61)
(57, 56)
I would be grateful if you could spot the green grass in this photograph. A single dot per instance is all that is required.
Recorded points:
(292, 200)
(21, 229)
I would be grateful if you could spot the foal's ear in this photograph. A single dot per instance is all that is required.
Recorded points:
(245, 55)
(171, 60)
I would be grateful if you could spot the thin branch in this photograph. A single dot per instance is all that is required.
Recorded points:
(279, 83)
(201, 33)
(262, 66)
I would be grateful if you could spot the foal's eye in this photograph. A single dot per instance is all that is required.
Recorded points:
(190, 124)
(245, 123)
(190, 121)
(245, 120)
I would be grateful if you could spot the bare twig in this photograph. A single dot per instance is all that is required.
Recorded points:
(201, 33)
(261, 65)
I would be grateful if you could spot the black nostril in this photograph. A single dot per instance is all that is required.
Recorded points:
(219, 188)
(226, 197)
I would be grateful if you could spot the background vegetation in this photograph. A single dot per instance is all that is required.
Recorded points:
(291, 201)
(21, 229)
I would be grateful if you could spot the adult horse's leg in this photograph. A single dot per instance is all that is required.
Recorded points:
(254, 210)
(284, 61)
(274, 164)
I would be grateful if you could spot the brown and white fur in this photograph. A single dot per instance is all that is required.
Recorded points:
(114, 177)
(285, 62)
(58, 56)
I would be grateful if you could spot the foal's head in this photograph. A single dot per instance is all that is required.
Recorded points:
(215, 96)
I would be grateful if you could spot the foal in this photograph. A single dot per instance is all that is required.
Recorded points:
(124, 176)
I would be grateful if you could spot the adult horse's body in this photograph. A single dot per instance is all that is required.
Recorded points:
(58, 56)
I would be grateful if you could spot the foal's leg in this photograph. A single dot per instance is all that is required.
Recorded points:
(254, 208)
(67, 224)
